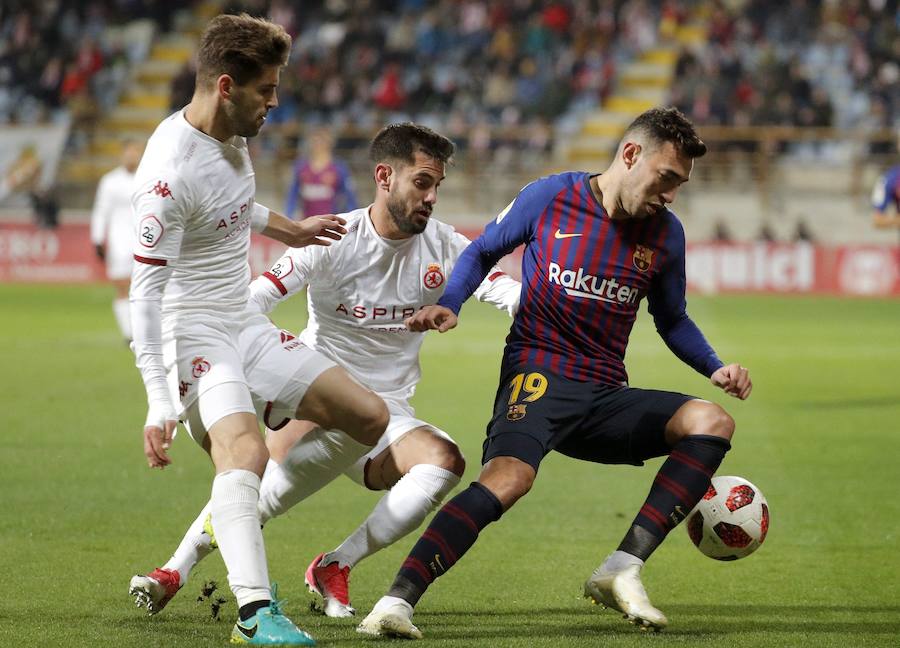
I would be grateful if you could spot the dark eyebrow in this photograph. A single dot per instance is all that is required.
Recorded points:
(425, 174)
(672, 174)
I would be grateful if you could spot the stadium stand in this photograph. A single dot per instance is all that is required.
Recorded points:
(524, 87)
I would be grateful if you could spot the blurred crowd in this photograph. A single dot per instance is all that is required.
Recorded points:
(795, 63)
(492, 75)
(474, 68)
(60, 58)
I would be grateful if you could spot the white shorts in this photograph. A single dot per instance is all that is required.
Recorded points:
(402, 421)
(119, 259)
(270, 370)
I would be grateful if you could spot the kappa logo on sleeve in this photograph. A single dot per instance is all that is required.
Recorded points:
(150, 231)
(161, 189)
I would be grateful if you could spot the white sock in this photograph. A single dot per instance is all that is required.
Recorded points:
(387, 601)
(398, 513)
(122, 311)
(314, 461)
(619, 560)
(195, 546)
(197, 543)
(234, 506)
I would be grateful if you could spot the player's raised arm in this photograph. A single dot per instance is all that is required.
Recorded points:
(315, 230)
(497, 288)
(513, 226)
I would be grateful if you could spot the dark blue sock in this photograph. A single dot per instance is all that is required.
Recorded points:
(680, 483)
(452, 531)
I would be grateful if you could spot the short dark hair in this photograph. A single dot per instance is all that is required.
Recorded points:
(240, 46)
(669, 125)
(401, 141)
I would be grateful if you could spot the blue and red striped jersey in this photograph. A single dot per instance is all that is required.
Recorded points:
(583, 277)
(886, 193)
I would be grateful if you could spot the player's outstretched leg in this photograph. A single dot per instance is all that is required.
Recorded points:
(699, 433)
(451, 533)
(402, 509)
(418, 469)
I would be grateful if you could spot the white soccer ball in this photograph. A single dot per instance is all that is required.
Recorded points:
(731, 520)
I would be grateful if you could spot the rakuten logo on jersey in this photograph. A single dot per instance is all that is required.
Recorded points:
(580, 284)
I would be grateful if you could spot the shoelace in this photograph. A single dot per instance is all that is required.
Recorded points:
(276, 604)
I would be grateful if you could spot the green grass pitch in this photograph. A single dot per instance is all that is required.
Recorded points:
(820, 436)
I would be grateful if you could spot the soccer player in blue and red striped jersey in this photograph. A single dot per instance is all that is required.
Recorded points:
(886, 197)
(321, 183)
(595, 245)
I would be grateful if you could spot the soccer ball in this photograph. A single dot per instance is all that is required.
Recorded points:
(731, 520)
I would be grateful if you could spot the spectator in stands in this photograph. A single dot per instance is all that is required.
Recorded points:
(803, 233)
(766, 234)
(822, 64)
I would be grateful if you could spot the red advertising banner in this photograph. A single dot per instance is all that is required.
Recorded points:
(65, 255)
(857, 270)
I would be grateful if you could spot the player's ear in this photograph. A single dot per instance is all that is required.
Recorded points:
(630, 153)
(225, 86)
(383, 174)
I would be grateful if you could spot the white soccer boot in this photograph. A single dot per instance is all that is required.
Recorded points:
(155, 590)
(623, 591)
(391, 617)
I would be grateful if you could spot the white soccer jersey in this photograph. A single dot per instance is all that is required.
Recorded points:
(193, 212)
(361, 289)
(193, 204)
(111, 222)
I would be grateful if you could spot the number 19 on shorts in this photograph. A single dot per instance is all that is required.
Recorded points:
(524, 389)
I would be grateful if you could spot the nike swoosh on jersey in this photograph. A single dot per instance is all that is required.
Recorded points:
(559, 235)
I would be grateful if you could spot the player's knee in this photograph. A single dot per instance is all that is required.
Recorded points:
(445, 454)
(509, 479)
(713, 420)
(244, 453)
(434, 481)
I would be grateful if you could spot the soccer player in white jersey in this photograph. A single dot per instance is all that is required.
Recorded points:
(194, 207)
(112, 228)
(394, 260)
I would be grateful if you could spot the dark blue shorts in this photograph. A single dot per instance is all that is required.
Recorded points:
(536, 411)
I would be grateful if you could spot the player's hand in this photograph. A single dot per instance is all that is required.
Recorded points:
(432, 318)
(734, 380)
(156, 444)
(319, 230)
(100, 249)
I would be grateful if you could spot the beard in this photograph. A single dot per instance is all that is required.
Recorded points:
(405, 221)
(244, 122)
